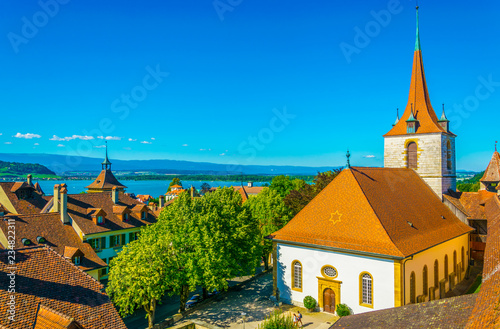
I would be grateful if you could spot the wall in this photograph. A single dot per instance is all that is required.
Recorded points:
(349, 268)
(428, 257)
(432, 158)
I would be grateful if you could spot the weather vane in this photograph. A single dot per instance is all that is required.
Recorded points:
(348, 155)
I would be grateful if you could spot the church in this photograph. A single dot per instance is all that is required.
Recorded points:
(378, 238)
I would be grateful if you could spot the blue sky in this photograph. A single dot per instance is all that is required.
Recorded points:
(240, 81)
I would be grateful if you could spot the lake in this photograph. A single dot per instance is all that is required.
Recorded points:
(151, 187)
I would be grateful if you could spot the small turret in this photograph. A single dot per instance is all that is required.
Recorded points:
(444, 122)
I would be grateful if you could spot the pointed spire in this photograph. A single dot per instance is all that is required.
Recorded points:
(106, 162)
(417, 41)
(443, 116)
(397, 117)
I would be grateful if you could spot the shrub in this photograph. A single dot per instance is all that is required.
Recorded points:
(278, 320)
(343, 310)
(309, 302)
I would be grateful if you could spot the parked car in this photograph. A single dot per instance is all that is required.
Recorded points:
(195, 299)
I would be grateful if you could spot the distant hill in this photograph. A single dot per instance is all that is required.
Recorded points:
(61, 164)
(16, 169)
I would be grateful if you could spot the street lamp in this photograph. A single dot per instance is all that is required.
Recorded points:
(243, 314)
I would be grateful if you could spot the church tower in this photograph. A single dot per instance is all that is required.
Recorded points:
(419, 140)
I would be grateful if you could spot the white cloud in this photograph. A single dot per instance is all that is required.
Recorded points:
(100, 146)
(1, 134)
(69, 138)
(146, 142)
(26, 136)
(36, 144)
(203, 149)
(222, 154)
(60, 145)
(185, 145)
(110, 138)
(8, 143)
(153, 138)
(132, 140)
(369, 156)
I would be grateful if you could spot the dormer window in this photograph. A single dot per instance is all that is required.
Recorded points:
(143, 215)
(77, 260)
(41, 239)
(26, 242)
(100, 220)
(125, 216)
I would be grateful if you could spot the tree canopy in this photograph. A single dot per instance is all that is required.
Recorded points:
(175, 181)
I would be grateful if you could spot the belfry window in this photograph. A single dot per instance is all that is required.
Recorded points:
(411, 151)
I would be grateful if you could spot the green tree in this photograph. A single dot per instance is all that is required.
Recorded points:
(272, 214)
(297, 199)
(138, 276)
(226, 239)
(205, 187)
(175, 181)
(284, 184)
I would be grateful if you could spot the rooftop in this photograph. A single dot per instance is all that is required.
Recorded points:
(47, 283)
(384, 211)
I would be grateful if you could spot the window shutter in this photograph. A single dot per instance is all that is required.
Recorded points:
(123, 239)
(103, 243)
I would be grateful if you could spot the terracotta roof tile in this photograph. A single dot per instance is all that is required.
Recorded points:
(57, 235)
(492, 173)
(449, 313)
(79, 203)
(486, 312)
(47, 318)
(474, 202)
(105, 180)
(387, 211)
(44, 277)
(25, 207)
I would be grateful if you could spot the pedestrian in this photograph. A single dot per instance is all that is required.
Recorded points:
(299, 319)
(295, 319)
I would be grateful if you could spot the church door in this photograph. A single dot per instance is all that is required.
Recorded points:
(329, 300)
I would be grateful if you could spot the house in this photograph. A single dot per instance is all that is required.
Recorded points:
(22, 197)
(144, 198)
(378, 238)
(49, 230)
(51, 292)
(248, 191)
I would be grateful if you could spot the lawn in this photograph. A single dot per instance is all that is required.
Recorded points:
(476, 285)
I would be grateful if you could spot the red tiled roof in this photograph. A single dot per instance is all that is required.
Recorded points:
(486, 313)
(47, 318)
(387, 211)
(254, 190)
(451, 313)
(422, 108)
(106, 180)
(79, 203)
(492, 173)
(44, 277)
(25, 207)
(58, 236)
(471, 203)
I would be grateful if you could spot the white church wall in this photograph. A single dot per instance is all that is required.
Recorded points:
(349, 268)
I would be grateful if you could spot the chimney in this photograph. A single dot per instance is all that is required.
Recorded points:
(55, 207)
(64, 206)
(114, 195)
(161, 202)
(250, 184)
(29, 179)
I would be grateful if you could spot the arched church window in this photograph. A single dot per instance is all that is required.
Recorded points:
(455, 261)
(425, 279)
(366, 289)
(297, 275)
(412, 155)
(412, 288)
(446, 267)
(462, 259)
(449, 164)
(436, 273)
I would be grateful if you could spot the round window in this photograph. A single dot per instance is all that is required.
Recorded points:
(330, 271)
